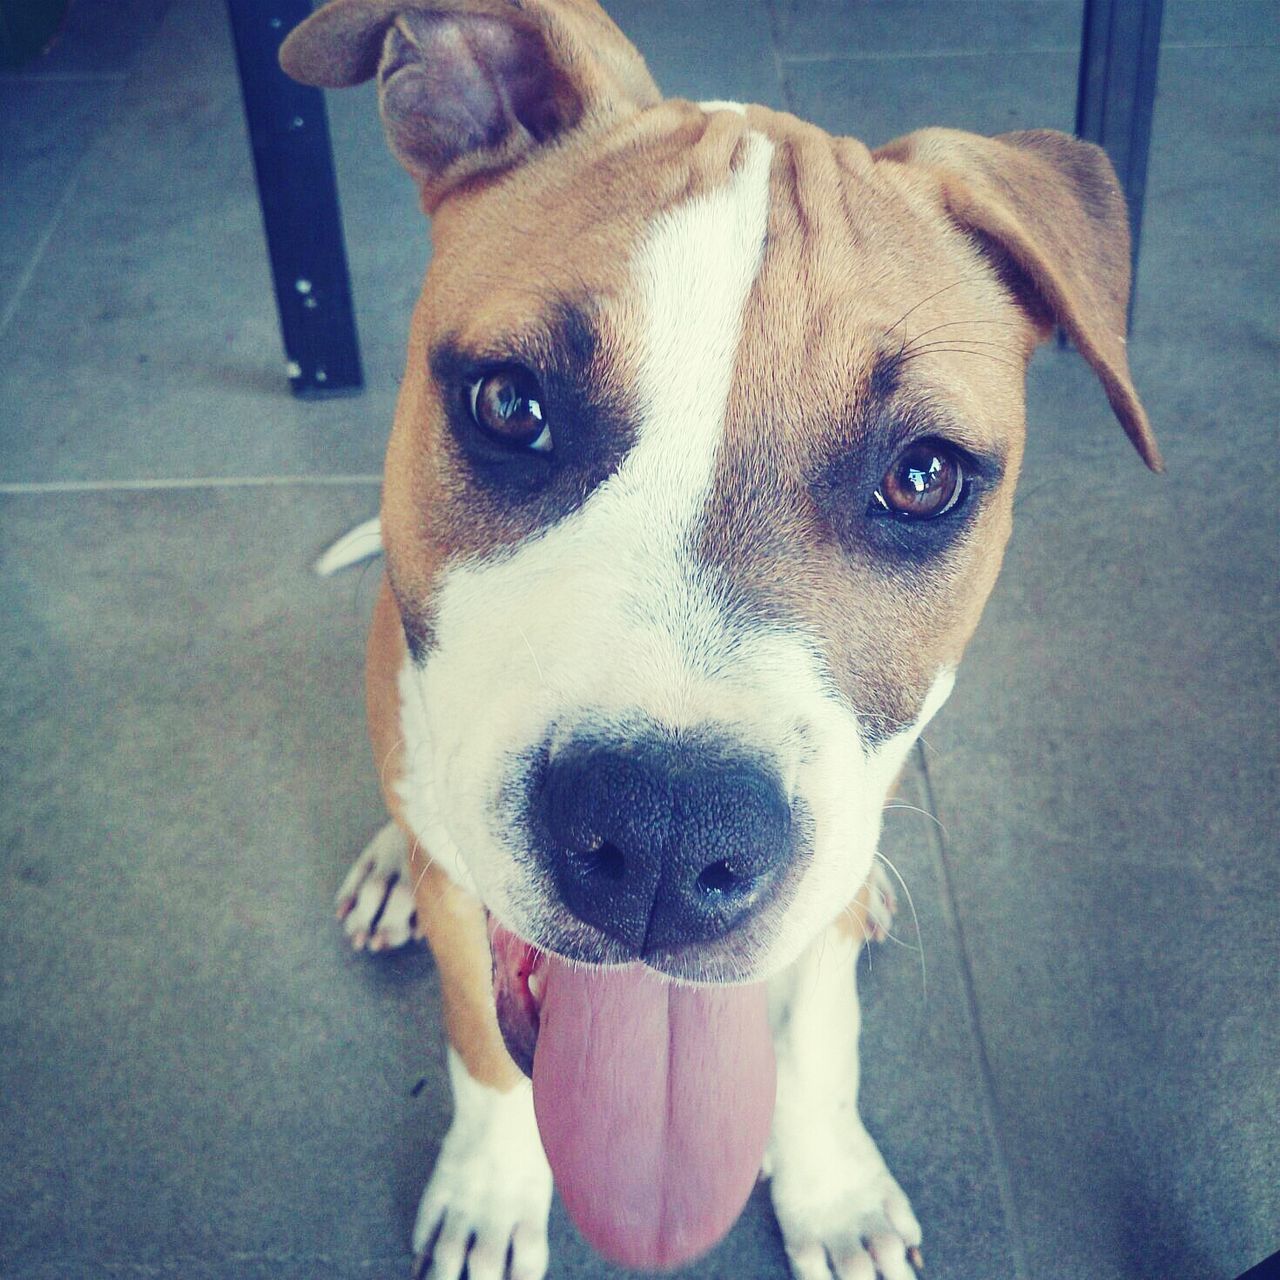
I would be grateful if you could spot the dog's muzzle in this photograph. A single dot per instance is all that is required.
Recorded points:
(659, 844)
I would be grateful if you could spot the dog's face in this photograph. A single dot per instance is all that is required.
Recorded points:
(694, 463)
(701, 473)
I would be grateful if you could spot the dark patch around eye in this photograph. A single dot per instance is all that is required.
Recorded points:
(885, 427)
(590, 416)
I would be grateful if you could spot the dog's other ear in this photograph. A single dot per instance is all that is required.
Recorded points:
(1049, 211)
(470, 88)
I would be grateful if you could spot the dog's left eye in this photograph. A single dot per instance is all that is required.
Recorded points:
(926, 481)
(506, 404)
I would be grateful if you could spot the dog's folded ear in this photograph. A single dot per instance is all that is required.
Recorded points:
(470, 88)
(1048, 210)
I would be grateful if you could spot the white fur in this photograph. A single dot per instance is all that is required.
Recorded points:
(739, 108)
(837, 1204)
(934, 700)
(490, 1189)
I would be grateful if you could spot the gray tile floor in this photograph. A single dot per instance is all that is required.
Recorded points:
(197, 1079)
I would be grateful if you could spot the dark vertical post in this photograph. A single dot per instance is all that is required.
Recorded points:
(293, 162)
(1117, 92)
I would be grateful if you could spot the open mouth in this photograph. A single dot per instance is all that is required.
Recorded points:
(654, 1099)
(519, 977)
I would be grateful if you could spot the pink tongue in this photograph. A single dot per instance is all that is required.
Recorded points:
(654, 1102)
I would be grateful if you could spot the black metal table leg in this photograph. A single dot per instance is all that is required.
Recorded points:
(1117, 92)
(293, 162)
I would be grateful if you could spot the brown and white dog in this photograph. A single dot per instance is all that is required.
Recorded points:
(701, 474)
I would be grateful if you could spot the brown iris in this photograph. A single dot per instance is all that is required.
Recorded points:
(507, 405)
(926, 481)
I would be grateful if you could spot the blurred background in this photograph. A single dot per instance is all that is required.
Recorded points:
(1070, 1061)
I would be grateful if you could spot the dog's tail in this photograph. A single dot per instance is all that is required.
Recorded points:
(354, 547)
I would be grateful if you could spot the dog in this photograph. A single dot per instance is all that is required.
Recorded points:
(701, 473)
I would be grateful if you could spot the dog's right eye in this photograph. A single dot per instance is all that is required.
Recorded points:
(506, 404)
(926, 481)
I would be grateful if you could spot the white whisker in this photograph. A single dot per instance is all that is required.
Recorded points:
(915, 808)
(924, 976)
(534, 656)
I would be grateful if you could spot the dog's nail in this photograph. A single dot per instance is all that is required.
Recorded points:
(916, 1258)
(358, 939)
(346, 907)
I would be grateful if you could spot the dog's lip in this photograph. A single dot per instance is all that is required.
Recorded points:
(519, 969)
(518, 972)
(701, 965)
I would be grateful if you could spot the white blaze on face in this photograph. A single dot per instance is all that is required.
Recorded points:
(608, 617)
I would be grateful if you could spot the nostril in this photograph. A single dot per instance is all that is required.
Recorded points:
(607, 861)
(719, 877)
(604, 861)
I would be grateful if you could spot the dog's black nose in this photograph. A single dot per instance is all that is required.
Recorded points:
(658, 844)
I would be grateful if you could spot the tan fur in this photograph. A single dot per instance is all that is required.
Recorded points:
(455, 926)
(385, 655)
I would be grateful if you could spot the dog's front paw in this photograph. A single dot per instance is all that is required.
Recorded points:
(490, 1192)
(843, 1215)
(375, 903)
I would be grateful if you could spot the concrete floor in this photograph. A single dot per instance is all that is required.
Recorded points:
(198, 1079)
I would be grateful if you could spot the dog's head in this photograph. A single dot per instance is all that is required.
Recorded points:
(702, 469)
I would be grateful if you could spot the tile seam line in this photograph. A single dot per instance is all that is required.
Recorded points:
(23, 283)
(63, 77)
(143, 485)
(990, 1107)
(902, 55)
(777, 55)
(898, 55)
(175, 1262)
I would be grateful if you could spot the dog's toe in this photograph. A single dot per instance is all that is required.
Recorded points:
(484, 1212)
(852, 1223)
(892, 1256)
(530, 1253)
(457, 1247)
(878, 1257)
(375, 903)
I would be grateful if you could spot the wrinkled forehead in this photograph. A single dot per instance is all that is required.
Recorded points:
(569, 227)
(846, 261)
